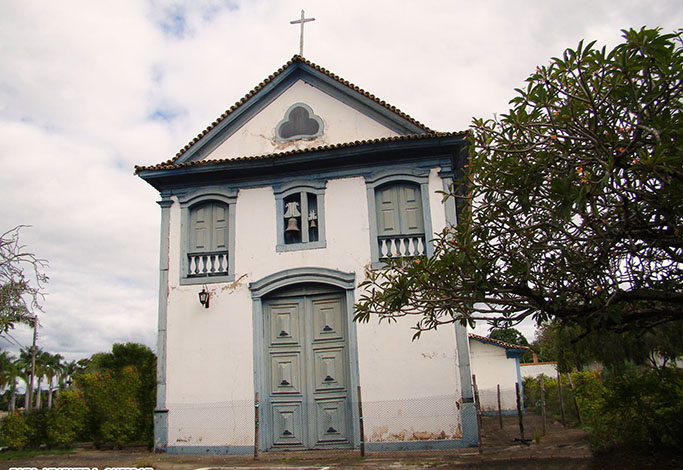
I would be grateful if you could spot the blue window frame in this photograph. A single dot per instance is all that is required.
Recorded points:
(300, 209)
(207, 236)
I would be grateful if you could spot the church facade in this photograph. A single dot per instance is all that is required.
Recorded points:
(269, 220)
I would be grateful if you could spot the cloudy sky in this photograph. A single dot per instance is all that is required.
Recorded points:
(89, 89)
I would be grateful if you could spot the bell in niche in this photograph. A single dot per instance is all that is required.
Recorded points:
(312, 217)
(292, 225)
(291, 213)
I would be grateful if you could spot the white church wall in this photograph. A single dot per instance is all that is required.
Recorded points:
(342, 124)
(410, 389)
(492, 368)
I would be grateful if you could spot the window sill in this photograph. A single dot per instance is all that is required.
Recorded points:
(301, 246)
(194, 280)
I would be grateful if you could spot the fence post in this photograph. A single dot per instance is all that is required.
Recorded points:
(500, 410)
(477, 407)
(519, 412)
(543, 418)
(559, 393)
(576, 405)
(256, 425)
(360, 419)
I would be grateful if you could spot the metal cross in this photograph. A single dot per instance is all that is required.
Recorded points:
(302, 21)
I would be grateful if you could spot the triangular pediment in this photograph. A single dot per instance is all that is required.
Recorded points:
(301, 106)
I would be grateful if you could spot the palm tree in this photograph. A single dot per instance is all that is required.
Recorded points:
(13, 373)
(53, 368)
(69, 369)
(24, 366)
(5, 361)
(42, 364)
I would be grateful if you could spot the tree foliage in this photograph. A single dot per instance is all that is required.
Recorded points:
(572, 208)
(21, 282)
(574, 349)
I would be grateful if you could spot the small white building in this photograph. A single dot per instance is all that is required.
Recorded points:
(534, 369)
(270, 217)
(496, 365)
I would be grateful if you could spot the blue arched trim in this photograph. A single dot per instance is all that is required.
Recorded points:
(289, 277)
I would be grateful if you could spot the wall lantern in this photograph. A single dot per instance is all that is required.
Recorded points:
(204, 297)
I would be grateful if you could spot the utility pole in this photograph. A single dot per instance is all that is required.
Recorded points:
(28, 397)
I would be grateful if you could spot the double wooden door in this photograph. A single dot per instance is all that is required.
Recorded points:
(307, 354)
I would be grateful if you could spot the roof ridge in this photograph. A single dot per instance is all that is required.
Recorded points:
(169, 164)
(497, 341)
(271, 77)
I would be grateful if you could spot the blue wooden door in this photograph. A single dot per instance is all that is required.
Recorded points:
(307, 379)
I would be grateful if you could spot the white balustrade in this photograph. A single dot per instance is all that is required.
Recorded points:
(402, 246)
(207, 264)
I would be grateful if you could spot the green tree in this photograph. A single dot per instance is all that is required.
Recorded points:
(571, 209)
(574, 349)
(21, 282)
(509, 335)
(142, 362)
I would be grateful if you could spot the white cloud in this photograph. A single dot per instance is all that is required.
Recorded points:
(88, 89)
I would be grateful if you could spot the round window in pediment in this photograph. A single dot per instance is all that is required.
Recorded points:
(300, 122)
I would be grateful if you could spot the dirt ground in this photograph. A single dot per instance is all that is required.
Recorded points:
(561, 448)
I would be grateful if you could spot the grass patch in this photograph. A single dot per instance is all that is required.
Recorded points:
(27, 454)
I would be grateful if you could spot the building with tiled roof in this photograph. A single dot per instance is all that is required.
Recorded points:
(270, 217)
(496, 366)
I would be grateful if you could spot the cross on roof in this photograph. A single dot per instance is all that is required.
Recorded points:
(301, 21)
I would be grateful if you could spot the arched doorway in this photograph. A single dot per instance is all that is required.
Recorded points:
(304, 364)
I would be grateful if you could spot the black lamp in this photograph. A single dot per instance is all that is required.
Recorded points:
(204, 297)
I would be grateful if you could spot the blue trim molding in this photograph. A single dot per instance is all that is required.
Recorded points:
(288, 277)
(211, 450)
(160, 412)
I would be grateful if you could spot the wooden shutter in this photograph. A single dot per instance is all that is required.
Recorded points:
(386, 200)
(399, 210)
(410, 204)
(199, 228)
(220, 227)
(209, 227)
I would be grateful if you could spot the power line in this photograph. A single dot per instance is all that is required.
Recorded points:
(11, 340)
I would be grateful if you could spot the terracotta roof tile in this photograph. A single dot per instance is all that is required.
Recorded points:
(168, 165)
(498, 342)
(298, 58)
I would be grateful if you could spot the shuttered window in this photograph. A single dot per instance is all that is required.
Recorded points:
(399, 210)
(400, 221)
(208, 237)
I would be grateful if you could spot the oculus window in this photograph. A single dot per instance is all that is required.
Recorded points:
(299, 122)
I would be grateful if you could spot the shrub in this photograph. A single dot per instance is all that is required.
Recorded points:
(113, 410)
(642, 410)
(14, 432)
(68, 421)
(532, 398)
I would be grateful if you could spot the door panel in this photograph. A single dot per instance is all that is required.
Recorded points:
(288, 428)
(286, 374)
(327, 318)
(307, 351)
(284, 324)
(331, 421)
(329, 369)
